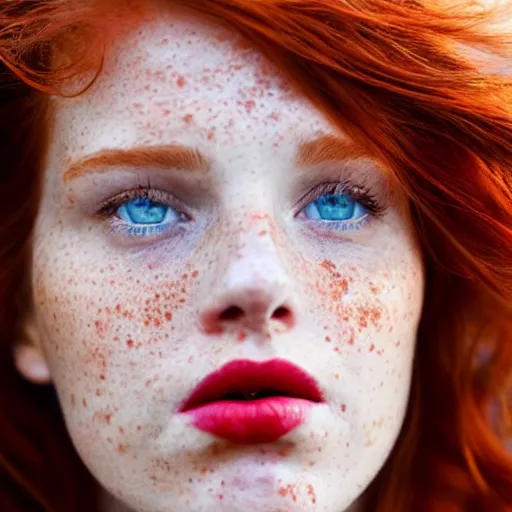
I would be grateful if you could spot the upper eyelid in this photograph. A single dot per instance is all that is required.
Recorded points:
(108, 206)
(340, 187)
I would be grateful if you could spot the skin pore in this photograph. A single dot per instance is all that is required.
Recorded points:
(270, 237)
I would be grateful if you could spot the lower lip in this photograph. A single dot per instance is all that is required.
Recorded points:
(251, 422)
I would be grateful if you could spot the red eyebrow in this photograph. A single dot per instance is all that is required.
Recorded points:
(174, 156)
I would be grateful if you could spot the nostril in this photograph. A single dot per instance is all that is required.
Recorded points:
(231, 314)
(283, 315)
(280, 313)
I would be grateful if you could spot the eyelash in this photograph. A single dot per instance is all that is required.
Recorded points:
(109, 208)
(356, 192)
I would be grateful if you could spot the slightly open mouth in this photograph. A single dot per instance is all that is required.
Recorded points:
(246, 381)
(246, 396)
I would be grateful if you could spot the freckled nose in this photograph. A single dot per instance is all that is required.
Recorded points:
(254, 304)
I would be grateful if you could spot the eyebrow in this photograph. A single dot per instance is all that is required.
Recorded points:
(173, 156)
(184, 158)
(327, 148)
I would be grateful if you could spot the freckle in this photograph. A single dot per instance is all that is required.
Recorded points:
(327, 339)
(397, 344)
(121, 430)
(311, 493)
(220, 497)
(188, 118)
(249, 106)
(242, 335)
(139, 428)
(288, 490)
(84, 402)
(180, 82)
(328, 265)
(263, 232)
(122, 448)
(168, 316)
(195, 273)
(372, 348)
(343, 407)
(285, 451)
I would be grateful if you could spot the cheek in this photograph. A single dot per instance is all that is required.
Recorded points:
(366, 309)
(103, 325)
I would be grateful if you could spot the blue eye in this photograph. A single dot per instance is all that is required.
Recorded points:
(144, 211)
(335, 207)
(145, 217)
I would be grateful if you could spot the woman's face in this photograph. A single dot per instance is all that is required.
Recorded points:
(197, 212)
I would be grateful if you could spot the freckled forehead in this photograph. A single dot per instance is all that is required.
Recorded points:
(205, 53)
(178, 78)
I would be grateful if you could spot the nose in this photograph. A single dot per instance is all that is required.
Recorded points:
(253, 291)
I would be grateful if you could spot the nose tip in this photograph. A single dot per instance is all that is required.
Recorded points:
(254, 310)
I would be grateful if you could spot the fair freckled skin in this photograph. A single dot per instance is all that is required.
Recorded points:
(130, 324)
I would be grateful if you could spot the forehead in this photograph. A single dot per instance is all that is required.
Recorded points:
(178, 78)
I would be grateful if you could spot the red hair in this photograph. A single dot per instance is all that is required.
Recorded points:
(426, 89)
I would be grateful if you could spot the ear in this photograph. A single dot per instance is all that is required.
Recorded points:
(28, 353)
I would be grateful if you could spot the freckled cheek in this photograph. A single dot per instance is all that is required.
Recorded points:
(371, 312)
(347, 299)
(99, 315)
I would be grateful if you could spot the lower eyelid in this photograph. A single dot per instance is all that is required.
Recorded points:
(338, 227)
(119, 227)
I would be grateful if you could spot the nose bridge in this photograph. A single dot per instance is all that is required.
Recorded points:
(255, 261)
(252, 285)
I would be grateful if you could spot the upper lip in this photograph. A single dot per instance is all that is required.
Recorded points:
(245, 379)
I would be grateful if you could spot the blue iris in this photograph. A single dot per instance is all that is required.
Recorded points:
(144, 211)
(335, 207)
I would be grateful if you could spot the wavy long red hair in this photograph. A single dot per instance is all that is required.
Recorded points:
(425, 87)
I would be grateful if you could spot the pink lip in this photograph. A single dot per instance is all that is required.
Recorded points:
(285, 393)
